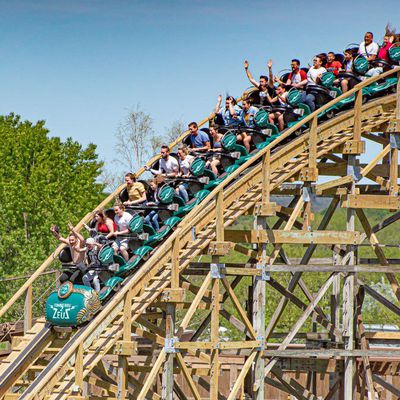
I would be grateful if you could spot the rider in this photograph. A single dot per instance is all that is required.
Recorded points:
(369, 49)
(347, 83)
(122, 219)
(313, 78)
(185, 160)
(265, 86)
(136, 190)
(217, 148)
(246, 117)
(91, 278)
(296, 78)
(198, 139)
(333, 65)
(224, 113)
(168, 165)
(281, 100)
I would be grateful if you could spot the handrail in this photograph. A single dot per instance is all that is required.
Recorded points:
(184, 227)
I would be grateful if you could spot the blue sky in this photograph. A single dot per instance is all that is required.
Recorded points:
(80, 65)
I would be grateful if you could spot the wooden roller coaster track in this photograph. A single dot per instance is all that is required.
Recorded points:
(100, 357)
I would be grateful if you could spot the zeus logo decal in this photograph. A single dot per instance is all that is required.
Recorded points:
(61, 311)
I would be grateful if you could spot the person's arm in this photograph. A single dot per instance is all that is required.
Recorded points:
(232, 109)
(110, 225)
(76, 234)
(249, 75)
(57, 235)
(218, 106)
(270, 74)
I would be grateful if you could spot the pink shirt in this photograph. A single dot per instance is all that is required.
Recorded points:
(383, 52)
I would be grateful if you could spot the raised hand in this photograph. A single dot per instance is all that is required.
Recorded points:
(246, 64)
(269, 63)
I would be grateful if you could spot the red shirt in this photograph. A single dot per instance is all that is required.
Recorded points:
(103, 228)
(334, 67)
(383, 53)
(297, 77)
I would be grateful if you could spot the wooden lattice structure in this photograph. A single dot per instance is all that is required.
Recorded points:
(137, 347)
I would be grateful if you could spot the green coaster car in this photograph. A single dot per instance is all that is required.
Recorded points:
(197, 199)
(158, 236)
(72, 305)
(361, 66)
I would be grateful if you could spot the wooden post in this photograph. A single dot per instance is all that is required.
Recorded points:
(258, 311)
(266, 176)
(123, 365)
(348, 302)
(312, 162)
(175, 263)
(357, 116)
(214, 361)
(79, 369)
(28, 310)
(220, 217)
(168, 368)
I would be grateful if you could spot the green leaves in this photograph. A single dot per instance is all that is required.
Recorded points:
(42, 181)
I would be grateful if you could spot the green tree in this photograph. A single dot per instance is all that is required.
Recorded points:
(43, 180)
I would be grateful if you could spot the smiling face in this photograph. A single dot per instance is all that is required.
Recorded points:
(72, 240)
(246, 105)
(348, 56)
(331, 57)
(99, 218)
(263, 83)
(213, 131)
(118, 211)
(368, 37)
(294, 65)
(317, 62)
(181, 154)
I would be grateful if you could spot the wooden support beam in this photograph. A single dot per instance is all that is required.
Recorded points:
(188, 377)
(168, 368)
(292, 237)
(152, 375)
(28, 310)
(371, 201)
(214, 362)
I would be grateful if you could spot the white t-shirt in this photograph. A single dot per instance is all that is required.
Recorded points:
(370, 50)
(166, 166)
(122, 222)
(185, 164)
(313, 74)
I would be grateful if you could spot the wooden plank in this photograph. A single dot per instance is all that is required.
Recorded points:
(152, 375)
(371, 201)
(243, 373)
(192, 309)
(187, 375)
(292, 237)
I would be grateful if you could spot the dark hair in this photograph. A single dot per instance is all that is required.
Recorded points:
(264, 77)
(164, 146)
(296, 60)
(193, 124)
(369, 33)
(231, 98)
(282, 85)
(248, 100)
(331, 52)
(130, 175)
(350, 51)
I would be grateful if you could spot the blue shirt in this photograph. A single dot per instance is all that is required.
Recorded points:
(247, 117)
(199, 140)
(227, 117)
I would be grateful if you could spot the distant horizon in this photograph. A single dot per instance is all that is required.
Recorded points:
(81, 66)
